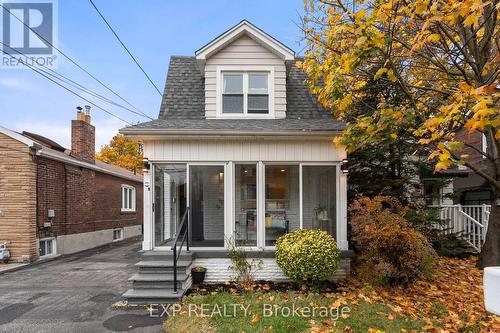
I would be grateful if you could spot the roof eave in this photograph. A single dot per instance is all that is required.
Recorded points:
(74, 162)
(190, 132)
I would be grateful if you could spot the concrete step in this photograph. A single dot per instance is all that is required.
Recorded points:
(161, 266)
(159, 281)
(150, 296)
(166, 256)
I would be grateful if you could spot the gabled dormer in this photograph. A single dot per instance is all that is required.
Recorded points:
(245, 74)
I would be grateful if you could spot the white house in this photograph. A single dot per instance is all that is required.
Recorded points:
(244, 151)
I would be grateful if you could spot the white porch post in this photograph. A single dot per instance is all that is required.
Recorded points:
(261, 205)
(342, 210)
(229, 203)
(147, 243)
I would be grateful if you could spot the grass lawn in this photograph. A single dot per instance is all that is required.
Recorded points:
(361, 318)
(451, 302)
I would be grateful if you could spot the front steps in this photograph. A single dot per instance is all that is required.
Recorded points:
(154, 281)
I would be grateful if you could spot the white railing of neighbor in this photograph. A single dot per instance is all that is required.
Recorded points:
(470, 221)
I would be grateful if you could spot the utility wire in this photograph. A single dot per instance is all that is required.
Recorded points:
(71, 91)
(74, 62)
(69, 81)
(125, 47)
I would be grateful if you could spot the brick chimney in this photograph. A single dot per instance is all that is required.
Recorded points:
(83, 136)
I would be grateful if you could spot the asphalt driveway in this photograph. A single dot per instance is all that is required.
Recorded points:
(74, 294)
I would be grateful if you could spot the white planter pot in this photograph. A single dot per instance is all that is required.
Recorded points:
(492, 289)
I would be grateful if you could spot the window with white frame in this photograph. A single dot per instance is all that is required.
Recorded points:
(128, 198)
(245, 93)
(117, 234)
(484, 143)
(47, 247)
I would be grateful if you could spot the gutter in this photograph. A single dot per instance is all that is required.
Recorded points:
(82, 164)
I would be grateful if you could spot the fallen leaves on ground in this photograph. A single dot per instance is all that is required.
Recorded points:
(451, 302)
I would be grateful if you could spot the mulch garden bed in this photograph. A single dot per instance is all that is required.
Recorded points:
(264, 286)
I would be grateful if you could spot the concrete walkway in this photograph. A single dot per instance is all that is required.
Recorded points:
(74, 294)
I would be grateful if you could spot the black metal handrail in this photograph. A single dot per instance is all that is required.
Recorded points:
(176, 255)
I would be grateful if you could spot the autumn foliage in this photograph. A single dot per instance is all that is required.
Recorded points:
(442, 57)
(122, 152)
(390, 250)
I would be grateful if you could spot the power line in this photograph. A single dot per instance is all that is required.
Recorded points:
(125, 47)
(77, 85)
(74, 62)
(71, 91)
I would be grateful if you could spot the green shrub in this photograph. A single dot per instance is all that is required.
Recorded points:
(307, 255)
(390, 249)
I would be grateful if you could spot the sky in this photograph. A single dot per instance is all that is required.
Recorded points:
(153, 30)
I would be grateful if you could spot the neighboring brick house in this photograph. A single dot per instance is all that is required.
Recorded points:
(473, 189)
(58, 201)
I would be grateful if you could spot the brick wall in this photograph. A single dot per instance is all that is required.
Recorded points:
(83, 200)
(475, 139)
(17, 198)
(108, 204)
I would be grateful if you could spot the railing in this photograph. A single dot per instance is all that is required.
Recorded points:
(469, 221)
(184, 226)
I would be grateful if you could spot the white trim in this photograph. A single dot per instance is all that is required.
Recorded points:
(124, 205)
(54, 246)
(342, 242)
(245, 27)
(165, 134)
(484, 145)
(301, 200)
(245, 70)
(148, 214)
(261, 205)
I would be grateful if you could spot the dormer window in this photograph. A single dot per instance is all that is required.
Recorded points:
(245, 93)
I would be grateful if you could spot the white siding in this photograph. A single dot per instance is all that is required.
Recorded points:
(236, 150)
(245, 52)
(218, 270)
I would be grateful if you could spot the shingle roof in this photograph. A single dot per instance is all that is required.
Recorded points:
(183, 107)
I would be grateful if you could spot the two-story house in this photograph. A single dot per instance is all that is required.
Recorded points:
(241, 153)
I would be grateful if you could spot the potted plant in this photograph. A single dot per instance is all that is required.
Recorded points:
(198, 274)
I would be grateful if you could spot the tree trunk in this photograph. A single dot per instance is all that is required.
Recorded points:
(490, 254)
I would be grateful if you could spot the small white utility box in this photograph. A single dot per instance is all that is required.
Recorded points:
(492, 289)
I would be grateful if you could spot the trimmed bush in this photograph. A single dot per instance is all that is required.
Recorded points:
(307, 255)
(390, 249)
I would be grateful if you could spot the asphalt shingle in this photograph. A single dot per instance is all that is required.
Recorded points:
(183, 107)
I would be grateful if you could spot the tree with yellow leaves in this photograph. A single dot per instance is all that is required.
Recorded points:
(442, 54)
(122, 152)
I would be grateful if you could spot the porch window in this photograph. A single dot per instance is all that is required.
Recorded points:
(169, 201)
(282, 201)
(245, 93)
(206, 189)
(319, 197)
(245, 204)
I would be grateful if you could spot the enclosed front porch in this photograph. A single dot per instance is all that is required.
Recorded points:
(250, 204)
